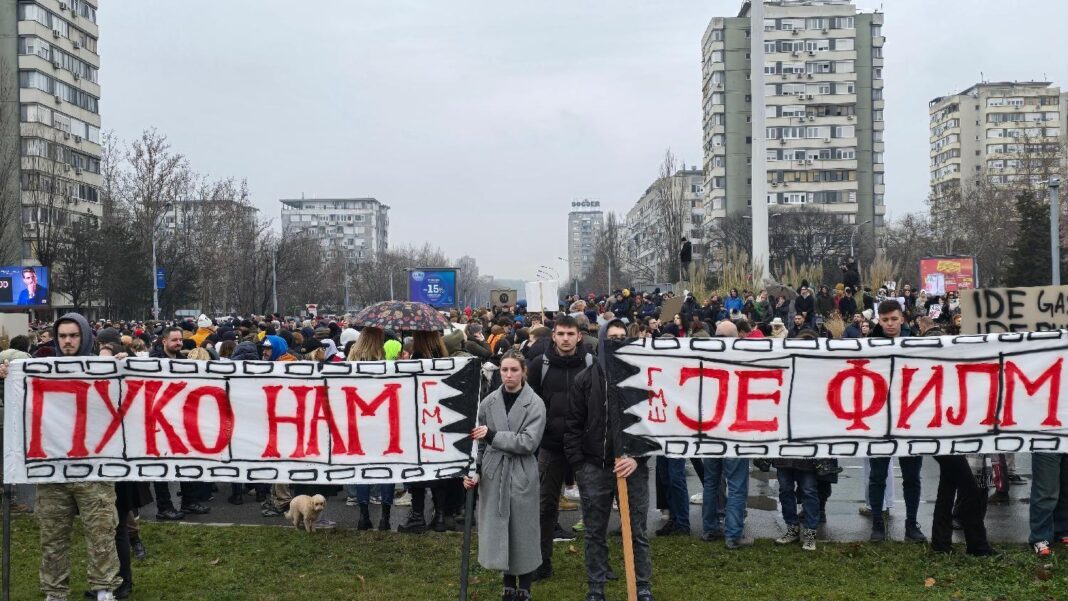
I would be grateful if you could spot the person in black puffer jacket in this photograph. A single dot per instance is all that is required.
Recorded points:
(552, 375)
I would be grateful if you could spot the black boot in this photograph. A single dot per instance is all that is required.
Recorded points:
(439, 521)
(416, 523)
(383, 523)
(450, 522)
(544, 571)
(508, 594)
(365, 518)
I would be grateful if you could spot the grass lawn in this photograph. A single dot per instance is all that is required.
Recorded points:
(274, 564)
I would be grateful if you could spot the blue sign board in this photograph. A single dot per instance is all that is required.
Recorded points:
(435, 287)
(161, 279)
(24, 286)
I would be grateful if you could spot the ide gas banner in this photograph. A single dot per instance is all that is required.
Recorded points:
(710, 397)
(96, 418)
(1029, 309)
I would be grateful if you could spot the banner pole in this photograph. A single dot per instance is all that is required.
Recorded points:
(628, 542)
(469, 507)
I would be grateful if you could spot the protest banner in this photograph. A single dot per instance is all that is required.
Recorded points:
(1030, 309)
(96, 418)
(709, 397)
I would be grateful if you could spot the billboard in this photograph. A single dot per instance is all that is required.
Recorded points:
(435, 287)
(503, 297)
(939, 275)
(24, 286)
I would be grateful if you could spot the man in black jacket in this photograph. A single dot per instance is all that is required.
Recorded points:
(551, 376)
(592, 445)
(685, 257)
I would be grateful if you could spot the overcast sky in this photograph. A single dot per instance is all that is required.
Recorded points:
(479, 122)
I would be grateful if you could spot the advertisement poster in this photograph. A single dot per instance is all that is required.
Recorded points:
(24, 286)
(940, 275)
(435, 287)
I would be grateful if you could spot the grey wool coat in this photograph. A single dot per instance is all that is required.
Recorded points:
(509, 531)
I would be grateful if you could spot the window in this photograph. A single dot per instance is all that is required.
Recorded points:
(843, 66)
(877, 157)
(717, 56)
(877, 115)
(817, 132)
(843, 44)
(817, 23)
(844, 88)
(791, 24)
(844, 131)
(819, 67)
(770, 47)
(876, 93)
(793, 110)
(995, 102)
(1014, 101)
(769, 24)
(772, 133)
(717, 97)
(847, 23)
(717, 35)
(817, 45)
(772, 155)
(879, 177)
(845, 154)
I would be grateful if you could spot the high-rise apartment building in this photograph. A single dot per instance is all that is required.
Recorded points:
(1004, 133)
(50, 67)
(822, 103)
(650, 246)
(584, 225)
(356, 227)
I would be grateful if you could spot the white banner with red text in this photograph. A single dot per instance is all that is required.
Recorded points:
(711, 397)
(96, 418)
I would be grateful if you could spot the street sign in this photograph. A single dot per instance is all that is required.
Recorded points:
(313, 310)
(161, 279)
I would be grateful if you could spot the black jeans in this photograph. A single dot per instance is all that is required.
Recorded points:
(955, 478)
(598, 487)
(552, 471)
(910, 478)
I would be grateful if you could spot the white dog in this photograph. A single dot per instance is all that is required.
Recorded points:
(306, 508)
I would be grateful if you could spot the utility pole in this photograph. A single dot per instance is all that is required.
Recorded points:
(1055, 229)
(759, 174)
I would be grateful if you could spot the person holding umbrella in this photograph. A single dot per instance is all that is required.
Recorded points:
(509, 533)
(426, 325)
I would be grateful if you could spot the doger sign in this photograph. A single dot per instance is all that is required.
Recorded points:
(993, 310)
(842, 398)
(93, 418)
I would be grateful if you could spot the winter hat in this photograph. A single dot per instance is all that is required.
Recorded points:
(203, 321)
(227, 335)
(348, 335)
(867, 313)
(392, 349)
(777, 323)
(109, 336)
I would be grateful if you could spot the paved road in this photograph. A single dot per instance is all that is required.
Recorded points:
(1005, 523)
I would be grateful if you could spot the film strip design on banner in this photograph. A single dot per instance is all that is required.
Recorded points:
(93, 418)
(712, 397)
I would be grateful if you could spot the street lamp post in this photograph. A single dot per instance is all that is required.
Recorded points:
(155, 279)
(851, 236)
(1055, 229)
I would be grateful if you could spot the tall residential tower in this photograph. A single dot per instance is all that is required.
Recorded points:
(584, 224)
(822, 63)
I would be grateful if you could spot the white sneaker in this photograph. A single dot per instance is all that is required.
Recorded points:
(404, 500)
(698, 499)
(105, 596)
(571, 493)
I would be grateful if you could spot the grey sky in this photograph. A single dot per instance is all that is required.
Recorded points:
(479, 122)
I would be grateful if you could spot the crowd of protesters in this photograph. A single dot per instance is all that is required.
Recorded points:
(550, 358)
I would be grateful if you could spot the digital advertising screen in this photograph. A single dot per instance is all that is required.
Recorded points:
(940, 275)
(24, 287)
(435, 287)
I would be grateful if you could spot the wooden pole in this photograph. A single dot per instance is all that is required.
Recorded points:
(628, 541)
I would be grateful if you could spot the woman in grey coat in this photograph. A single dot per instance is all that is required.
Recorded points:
(513, 420)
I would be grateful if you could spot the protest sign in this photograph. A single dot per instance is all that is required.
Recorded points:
(96, 418)
(710, 397)
(543, 295)
(994, 310)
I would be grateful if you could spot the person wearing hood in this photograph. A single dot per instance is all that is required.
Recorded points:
(476, 342)
(57, 504)
(204, 329)
(246, 351)
(594, 449)
(275, 348)
(551, 376)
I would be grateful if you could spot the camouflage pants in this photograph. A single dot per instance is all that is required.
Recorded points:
(56, 506)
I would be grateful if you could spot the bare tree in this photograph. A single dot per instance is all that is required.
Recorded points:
(78, 262)
(674, 212)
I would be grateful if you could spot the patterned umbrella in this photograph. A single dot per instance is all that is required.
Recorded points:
(401, 316)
